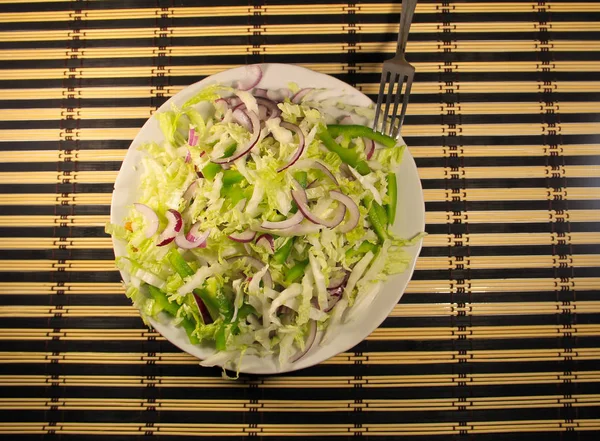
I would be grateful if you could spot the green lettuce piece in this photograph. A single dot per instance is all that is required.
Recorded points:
(209, 93)
(390, 158)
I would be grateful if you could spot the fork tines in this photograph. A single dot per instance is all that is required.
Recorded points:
(397, 75)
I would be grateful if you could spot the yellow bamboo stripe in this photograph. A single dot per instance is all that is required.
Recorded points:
(434, 217)
(512, 216)
(380, 334)
(117, 155)
(339, 381)
(420, 130)
(368, 358)
(506, 172)
(510, 108)
(420, 87)
(495, 309)
(423, 263)
(506, 262)
(430, 195)
(500, 285)
(299, 48)
(431, 240)
(43, 243)
(474, 286)
(57, 265)
(511, 172)
(504, 150)
(293, 29)
(511, 239)
(68, 311)
(53, 221)
(449, 333)
(311, 9)
(494, 87)
(85, 177)
(328, 68)
(401, 310)
(55, 199)
(66, 134)
(51, 114)
(18, 288)
(506, 194)
(378, 405)
(306, 430)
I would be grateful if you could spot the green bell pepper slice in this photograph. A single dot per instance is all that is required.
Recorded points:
(357, 131)
(347, 156)
(392, 185)
(295, 272)
(282, 253)
(378, 219)
(171, 308)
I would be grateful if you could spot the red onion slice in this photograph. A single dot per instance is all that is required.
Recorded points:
(197, 242)
(266, 241)
(279, 95)
(271, 105)
(221, 104)
(252, 77)
(173, 227)
(301, 200)
(189, 193)
(243, 237)
(297, 98)
(206, 318)
(150, 216)
(188, 157)
(290, 222)
(257, 265)
(319, 165)
(336, 282)
(251, 143)
(193, 239)
(301, 144)
(232, 101)
(353, 210)
(310, 340)
(192, 137)
(369, 147)
(259, 92)
(334, 296)
(241, 117)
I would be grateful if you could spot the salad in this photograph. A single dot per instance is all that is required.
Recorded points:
(262, 219)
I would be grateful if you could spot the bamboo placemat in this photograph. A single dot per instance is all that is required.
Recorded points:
(498, 334)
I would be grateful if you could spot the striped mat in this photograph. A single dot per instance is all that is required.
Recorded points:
(498, 334)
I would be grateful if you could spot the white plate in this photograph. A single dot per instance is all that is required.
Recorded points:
(410, 218)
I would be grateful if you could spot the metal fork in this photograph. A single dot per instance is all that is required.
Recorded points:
(395, 70)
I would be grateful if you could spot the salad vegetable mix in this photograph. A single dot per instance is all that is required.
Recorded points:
(261, 219)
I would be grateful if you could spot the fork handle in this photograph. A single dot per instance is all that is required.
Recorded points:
(408, 10)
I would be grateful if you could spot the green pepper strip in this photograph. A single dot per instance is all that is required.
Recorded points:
(211, 169)
(393, 195)
(347, 156)
(284, 250)
(364, 248)
(356, 131)
(216, 305)
(295, 272)
(378, 219)
(301, 177)
(161, 299)
(231, 177)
